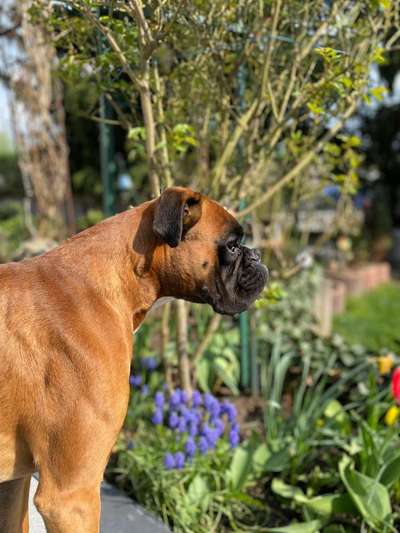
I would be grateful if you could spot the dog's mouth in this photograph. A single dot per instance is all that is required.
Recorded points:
(238, 292)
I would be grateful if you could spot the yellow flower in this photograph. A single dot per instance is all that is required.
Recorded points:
(385, 364)
(392, 415)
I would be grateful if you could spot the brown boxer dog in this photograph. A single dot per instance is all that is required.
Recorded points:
(66, 322)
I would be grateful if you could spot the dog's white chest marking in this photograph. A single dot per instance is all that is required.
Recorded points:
(158, 303)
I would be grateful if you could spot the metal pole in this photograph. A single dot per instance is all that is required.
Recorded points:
(244, 349)
(244, 317)
(244, 342)
(254, 374)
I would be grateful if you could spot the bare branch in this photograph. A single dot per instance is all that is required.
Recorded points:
(304, 161)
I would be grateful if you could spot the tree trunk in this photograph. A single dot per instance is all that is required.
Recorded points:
(40, 130)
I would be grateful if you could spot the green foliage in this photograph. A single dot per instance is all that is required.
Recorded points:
(373, 319)
(203, 496)
(220, 363)
(329, 455)
(329, 458)
(287, 317)
(326, 462)
(87, 181)
(6, 147)
(225, 81)
(10, 178)
(12, 228)
(92, 217)
(210, 493)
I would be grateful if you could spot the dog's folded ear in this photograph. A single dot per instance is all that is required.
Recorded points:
(176, 211)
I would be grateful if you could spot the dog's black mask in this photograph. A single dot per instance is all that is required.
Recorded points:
(239, 278)
(236, 277)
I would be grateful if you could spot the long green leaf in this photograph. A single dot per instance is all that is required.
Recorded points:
(198, 491)
(391, 472)
(240, 467)
(312, 526)
(331, 504)
(371, 497)
(288, 491)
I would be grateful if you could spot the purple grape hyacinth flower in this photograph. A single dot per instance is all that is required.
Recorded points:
(203, 445)
(159, 400)
(193, 429)
(181, 425)
(190, 447)
(184, 397)
(230, 411)
(235, 427)
(219, 426)
(135, 381)
(215, 409)
(179, 460)
(173, 420)
(211, 435)
(157, 417)
(175, 399)
(144, 390)
(169, 461)
(234, 438)
(208, 400)
(149, 363)
(197, 399)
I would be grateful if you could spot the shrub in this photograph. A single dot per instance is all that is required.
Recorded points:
(180, 457)
(373, 319)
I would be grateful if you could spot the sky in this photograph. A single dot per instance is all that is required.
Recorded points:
(5, 49)
(5, 119)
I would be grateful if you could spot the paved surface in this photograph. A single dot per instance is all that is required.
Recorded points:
(119, 514)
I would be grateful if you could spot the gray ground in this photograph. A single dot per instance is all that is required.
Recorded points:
(119, 514)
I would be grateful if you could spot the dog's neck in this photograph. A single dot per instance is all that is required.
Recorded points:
(116, 261)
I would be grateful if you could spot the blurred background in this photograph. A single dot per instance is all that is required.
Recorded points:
(289, 114)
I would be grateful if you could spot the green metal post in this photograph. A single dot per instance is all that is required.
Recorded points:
(244, 317)
(244, 349)
(107, 158)
(254, 373)
(244, 343)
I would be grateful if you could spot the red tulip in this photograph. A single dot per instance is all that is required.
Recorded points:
(396, 384)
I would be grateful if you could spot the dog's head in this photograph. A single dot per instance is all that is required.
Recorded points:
(201, 254)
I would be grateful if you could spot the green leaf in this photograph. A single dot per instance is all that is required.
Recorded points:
(378, 93)
(198, 491)
(331, 504)
(278, 461)
(137, 134)
(227, 374)
(312, 526)
(315, 108)
(334, 410)
(204, 373)
(328, 54)
(260, 457)
(248, 500)
(288, 491)
(391, 472)
(240, 467)
(378, 56)
(371, 497)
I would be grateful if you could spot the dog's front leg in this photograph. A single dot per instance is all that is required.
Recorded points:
(70, 510)
(71, 467)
